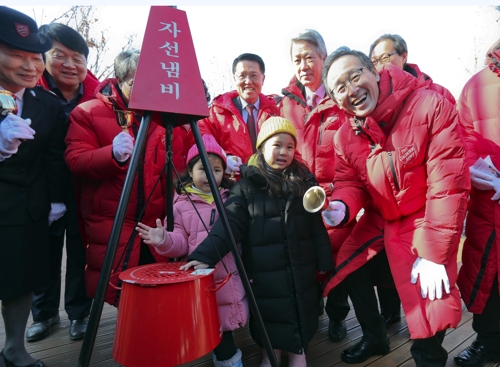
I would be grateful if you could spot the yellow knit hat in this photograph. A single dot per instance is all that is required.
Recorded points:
(275, 125)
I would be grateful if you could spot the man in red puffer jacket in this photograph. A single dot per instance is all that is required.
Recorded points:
(479, 277)
(401, 155)
(229, 120)
(392, 49)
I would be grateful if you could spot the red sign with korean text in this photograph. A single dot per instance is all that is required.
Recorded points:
(167, 77)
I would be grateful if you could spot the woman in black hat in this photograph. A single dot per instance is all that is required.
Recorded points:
(31, 177)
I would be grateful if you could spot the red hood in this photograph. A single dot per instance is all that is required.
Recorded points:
(295, 90)
(495, 54)
(107, 91)
(491, 52)
(109, 94)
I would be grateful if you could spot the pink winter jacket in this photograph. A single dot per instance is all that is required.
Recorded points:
(188, 233)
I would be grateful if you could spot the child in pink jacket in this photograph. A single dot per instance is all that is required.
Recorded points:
(189, 232)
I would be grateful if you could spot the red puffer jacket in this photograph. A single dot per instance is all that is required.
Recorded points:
(92, 128)
(293, 107)
(414, 70)
(227, 126)
(409, 157)
(479, 113)
(321, 125)
(317, 150)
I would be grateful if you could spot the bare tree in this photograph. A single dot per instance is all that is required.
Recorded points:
(489, 23)
(218, 76)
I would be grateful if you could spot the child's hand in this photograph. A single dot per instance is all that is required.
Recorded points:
(194, 264)
(151, 236)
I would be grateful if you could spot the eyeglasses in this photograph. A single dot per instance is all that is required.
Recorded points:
(384, 59)
(253, 77)
(354, 79)
(130, 83)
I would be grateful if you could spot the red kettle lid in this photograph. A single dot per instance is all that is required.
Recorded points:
(162, 273)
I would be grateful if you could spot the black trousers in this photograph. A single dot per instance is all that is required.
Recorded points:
(426, 352)
(46, 299)
(389, 301)
(388, 297)
(226, 348)
(487, 323)
(429, 352)
(360, 288)
(337, 307)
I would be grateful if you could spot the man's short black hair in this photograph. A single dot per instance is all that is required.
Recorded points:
(250, 57)
(67, 36)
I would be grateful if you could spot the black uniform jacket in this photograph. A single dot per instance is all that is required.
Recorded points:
(30, 180)
(34, 177)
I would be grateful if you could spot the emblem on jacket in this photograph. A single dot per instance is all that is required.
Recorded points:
(408, 153)
(22, 29)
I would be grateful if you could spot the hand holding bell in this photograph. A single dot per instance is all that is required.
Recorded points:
(13, 129)
(7, 103)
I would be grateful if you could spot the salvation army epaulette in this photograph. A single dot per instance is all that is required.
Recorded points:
(41, 88)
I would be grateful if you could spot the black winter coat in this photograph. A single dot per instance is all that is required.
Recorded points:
(282, 247)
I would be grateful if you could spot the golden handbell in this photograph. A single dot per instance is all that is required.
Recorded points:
(125, 119)
(315, 199)
(7, 103)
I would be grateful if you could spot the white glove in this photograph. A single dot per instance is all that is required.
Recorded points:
(12, 129)
(123, 145)
(480, 180)
(57, 210)
(334, 214)
(496, 186)
(431, 277)
(233, 164)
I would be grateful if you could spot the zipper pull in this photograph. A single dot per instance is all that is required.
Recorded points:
(212, 217)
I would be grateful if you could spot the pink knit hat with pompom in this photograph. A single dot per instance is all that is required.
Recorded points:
(211, 146)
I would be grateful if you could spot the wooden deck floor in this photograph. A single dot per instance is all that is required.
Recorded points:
(58, 351)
